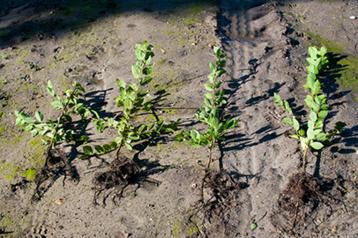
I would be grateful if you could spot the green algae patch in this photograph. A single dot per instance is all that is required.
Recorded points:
(2, 129)
(176, 229)
(198, 6)
(349, 75)
(37, 153)
(9, 171)
(330, 45)
(192, 230)
(34, 153)
(6, 221)
(22, 55)
(29, 174)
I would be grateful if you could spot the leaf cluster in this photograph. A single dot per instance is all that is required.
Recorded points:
(60, 129)
(312, 134)
(210, 112)
(133, 99)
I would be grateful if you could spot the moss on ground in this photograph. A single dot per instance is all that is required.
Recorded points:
(176, 229)
(37, 152)
(22, 55)
(6, 221)
(9, 171)
(349, 76)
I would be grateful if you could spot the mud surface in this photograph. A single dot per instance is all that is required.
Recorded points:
(259, 193)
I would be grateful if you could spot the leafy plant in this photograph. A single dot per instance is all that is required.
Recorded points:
(61, 129)
(211, 112)
(311, 134)
(133, 99)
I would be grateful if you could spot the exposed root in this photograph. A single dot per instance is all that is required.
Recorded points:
(219, 198)
(56, 165)
(122, 174)
(301, 202)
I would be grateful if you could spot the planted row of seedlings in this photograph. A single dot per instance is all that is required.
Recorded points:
(136, 102)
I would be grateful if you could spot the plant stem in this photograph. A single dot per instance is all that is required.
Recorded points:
(118, 150)
(210, 156)
(304, 159)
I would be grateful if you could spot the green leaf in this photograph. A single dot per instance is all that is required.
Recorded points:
(28, 127)
(79, 87)
(313, 116)
(294, 136)
(287, 107)
(311, 78)
(129, 146)
(107, 147)
(310, 133)
(231, 123)
(99, 149)
(316, 145)
(278, 100)
(208, 87)
(212, 67)
(312, 51)
(287, 121)
(146, 80)
(57, 104)
(311, 104)
(87, 150)
(322, 137)
(295, 124)
(136, 71)
(323, 114)
(50, 89)
(121, 84)
(253, 226)
(316, 89)
(39, 116)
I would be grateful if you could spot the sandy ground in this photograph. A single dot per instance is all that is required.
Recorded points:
(266, 45)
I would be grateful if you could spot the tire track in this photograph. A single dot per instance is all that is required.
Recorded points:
(253, 34)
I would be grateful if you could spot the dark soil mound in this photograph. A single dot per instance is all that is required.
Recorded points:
(305, 202)
(219, 203)
(122, 174)
(57, 165)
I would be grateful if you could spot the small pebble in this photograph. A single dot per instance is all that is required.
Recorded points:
(59, 201)
(353, 17)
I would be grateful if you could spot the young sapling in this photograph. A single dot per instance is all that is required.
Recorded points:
(133, 99)
(311, 135)
(61, 129)
(211, 112)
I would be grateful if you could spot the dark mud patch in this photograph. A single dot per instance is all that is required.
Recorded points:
(124, 176)
(305, 203)
(219, 201)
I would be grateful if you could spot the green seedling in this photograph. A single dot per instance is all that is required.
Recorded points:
(253, 226)
(133, 100)
(61, 129)
(311, 134)
(211, 112)
(55, 131)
